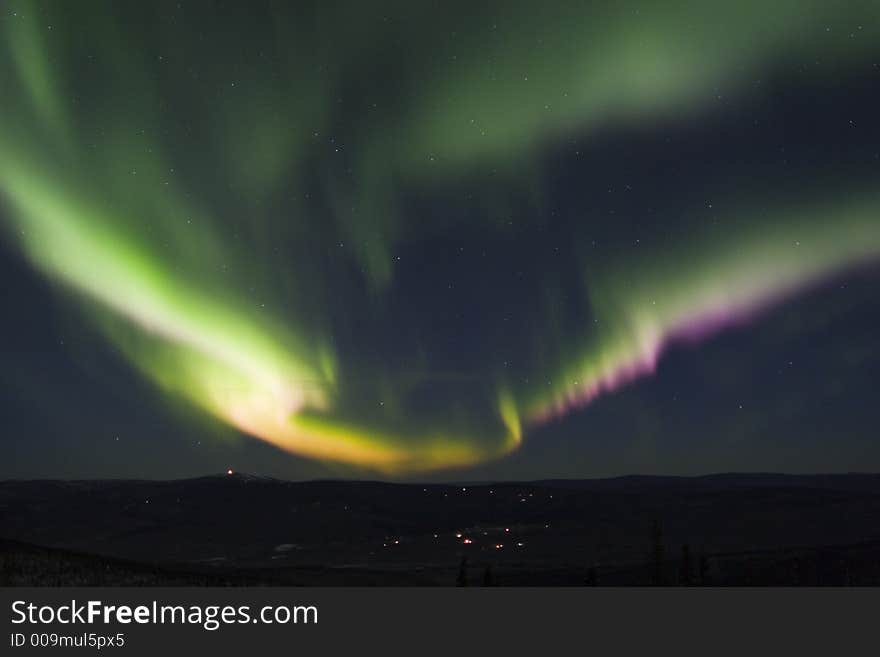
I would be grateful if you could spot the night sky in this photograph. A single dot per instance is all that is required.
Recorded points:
(439, 240)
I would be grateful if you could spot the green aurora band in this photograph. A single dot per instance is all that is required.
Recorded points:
(129, 142)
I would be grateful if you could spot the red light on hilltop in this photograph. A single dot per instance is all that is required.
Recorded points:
(229, 471)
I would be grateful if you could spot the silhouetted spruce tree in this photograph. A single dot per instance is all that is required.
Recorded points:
(684, 569)
(704, 570)
(797, 572)
(461, 580)
(657, 555)
(592, 578)
(488, 579)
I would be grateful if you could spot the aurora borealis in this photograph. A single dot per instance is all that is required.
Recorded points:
(408, 237)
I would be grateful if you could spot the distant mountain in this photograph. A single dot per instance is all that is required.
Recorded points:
(238, 522)
(850, 481)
